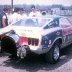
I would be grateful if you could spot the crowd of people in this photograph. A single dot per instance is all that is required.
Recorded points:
(7, 16)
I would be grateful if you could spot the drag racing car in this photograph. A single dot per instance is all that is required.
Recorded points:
(40, 35)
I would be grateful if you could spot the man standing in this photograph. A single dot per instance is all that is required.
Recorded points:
(22, 13)
(34, 12)
(3, 17)
(15, 16)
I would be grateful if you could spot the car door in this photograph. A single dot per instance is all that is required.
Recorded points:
(66, 30)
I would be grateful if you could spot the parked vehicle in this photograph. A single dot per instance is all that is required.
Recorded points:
(45, 35)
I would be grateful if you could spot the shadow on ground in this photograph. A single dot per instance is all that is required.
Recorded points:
(36, 62)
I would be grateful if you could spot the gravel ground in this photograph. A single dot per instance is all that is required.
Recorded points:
(36, 63)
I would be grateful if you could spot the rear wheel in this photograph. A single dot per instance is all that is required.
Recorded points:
(0, 48)
(53, 55)
(8, 45)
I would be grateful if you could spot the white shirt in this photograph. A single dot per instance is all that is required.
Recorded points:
(9, 18)
(23, 16)
(35, 14)
(14, 18)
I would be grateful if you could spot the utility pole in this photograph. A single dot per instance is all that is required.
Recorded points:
(12, 5)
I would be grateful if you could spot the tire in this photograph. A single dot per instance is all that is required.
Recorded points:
(1, 50)
(0, 47)
(53, 55)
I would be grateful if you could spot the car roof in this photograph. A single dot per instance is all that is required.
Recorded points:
(48, 16)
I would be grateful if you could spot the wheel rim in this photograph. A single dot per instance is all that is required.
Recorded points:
(56, 53)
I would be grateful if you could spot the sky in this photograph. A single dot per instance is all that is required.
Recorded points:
(40, 2)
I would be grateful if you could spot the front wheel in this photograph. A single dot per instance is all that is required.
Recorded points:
(53, 55)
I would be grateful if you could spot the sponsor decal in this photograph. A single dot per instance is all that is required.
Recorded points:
(58, 33)
(67, 31)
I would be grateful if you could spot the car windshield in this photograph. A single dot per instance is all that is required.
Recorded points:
(34, 22)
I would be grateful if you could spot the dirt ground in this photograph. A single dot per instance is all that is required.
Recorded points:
(36, 63)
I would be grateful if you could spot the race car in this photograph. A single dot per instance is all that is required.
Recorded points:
(40, 35)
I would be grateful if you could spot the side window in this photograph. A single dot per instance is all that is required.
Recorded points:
(54, 23)
(64, 23)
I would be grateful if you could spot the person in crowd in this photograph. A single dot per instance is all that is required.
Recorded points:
(34, 12)
(22, 13)
(3, 16)
(15, 16)
(9, 15)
